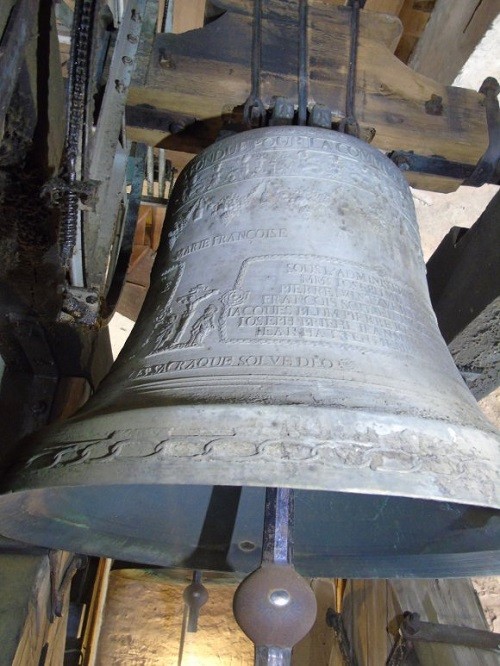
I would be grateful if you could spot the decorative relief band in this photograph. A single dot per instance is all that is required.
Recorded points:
(404, 452)
(201, 200)
(266, 161)
(320, 142)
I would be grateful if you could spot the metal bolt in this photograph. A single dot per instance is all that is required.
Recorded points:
(132, 39)
(167, 61)
(127, 60)
(91, 299)
(434, 105)
(176, 127)
(279, 598)
(246, 546)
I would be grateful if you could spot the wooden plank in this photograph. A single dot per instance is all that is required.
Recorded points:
(200, 73)
(366, 610)
(157, 226)
(24, 603)
(188, 15)
(454, 30)
(150, 22)
(90, 642)
(414, 22)
(319, 644)
(131, 300)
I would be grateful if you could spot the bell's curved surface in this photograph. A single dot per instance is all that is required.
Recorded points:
(287, 340)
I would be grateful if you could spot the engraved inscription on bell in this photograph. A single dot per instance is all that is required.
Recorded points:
(283, 265)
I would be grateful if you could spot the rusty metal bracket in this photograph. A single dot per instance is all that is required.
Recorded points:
(82, 306)
(86, 191)
(336, 622)
(349, 124)
(430, 164)
(58, 591)
(488, 168)
(320, 116)
(413, 630)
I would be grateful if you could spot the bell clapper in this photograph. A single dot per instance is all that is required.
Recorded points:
(195, 596)
(274, 606)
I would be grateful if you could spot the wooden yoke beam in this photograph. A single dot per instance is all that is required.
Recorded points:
(201, 74)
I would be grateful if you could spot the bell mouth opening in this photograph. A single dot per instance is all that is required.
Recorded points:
(219, 528)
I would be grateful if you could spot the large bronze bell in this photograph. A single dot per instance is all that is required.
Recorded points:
(287, 340)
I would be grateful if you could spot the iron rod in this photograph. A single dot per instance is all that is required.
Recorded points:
(278, 525)
(276, 549)
(272, 656)
(253, 109)
(303, 73)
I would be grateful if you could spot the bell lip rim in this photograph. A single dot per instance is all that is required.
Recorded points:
(14, 494)
(402, 565)
(259, 467)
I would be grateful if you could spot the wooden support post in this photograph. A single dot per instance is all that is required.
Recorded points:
(452, 33)
(465, 293)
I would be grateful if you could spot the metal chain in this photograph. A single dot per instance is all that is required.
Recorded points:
(79, 73)
(254, 112)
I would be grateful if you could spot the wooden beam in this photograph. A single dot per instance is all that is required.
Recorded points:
(381, 28)
(203, 72)
(453, 31)
(384, 6)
